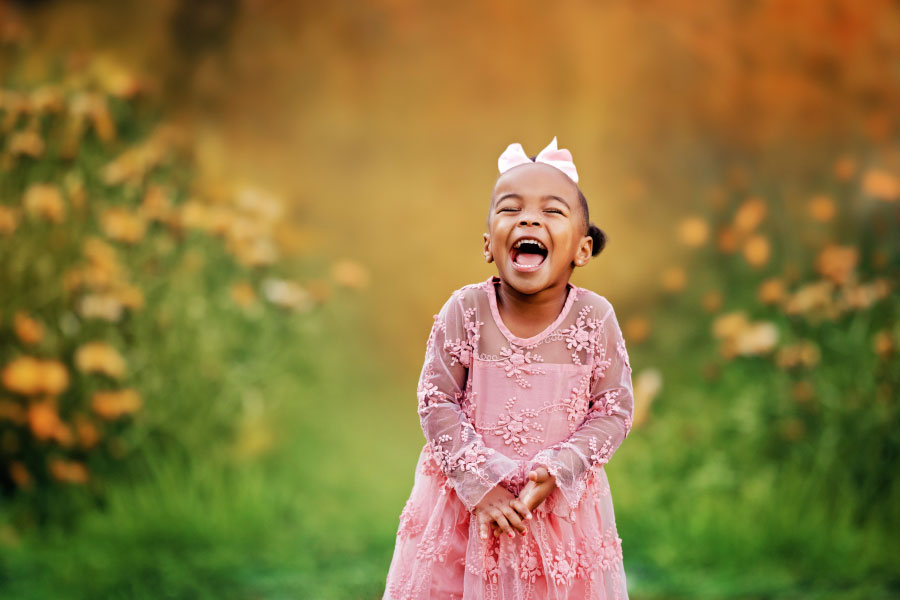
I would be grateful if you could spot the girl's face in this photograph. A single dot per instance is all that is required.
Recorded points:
(540, 203)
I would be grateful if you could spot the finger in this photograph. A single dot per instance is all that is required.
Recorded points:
(500, 518)
(483, 527)
(514, 519)
(523, 509)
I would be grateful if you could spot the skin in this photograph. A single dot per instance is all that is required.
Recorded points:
(539, 200)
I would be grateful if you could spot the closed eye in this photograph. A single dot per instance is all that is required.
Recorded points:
(556, 210)
(505, 209)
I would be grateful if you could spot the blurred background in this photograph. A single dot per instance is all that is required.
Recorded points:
(225, 226)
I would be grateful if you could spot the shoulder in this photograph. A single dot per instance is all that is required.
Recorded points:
(600, 307)
(463, 298)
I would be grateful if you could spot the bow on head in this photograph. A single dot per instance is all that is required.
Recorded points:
(514, 155)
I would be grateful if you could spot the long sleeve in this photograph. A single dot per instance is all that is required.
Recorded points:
(472, 468)
(607, 422)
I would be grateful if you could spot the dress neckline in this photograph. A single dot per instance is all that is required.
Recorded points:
(495, 311)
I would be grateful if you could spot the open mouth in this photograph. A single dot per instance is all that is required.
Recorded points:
(528, 255)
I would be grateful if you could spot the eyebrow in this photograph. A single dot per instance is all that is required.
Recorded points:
(515, 195)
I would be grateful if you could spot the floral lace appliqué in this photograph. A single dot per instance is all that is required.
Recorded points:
(518, 363)
(583, 334)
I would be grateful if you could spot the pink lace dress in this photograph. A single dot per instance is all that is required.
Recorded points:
(493, 406)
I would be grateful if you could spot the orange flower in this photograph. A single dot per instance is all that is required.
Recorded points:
(712, 301)
(803, 353)
(837, 263)
(243, 294)
(350, 274)
(803, 392)
(44, 200)
(20, 475)
(844, 168)
(9, 220)
(883, 343)
(757, 251)
(88, 434)
(821, 208)
(114, 404)
(28, 330)
(637, 329)
(771, 291)
(68, 471)
(13, 412)
(674, 279)
(693, 231)
(727, 240)
(750, 214)
(100, 357)
(123, 225)
(730, 324)
(881, 185)
(45, 424)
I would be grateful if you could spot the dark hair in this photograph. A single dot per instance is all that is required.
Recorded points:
(592, 230)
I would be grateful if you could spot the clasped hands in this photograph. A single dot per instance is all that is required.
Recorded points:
(501, 511)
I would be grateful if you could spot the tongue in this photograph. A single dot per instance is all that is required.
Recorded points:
(529, 259)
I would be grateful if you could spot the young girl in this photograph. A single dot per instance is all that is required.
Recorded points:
(525, 394)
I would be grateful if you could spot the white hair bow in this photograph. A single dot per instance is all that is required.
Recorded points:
(514, 155)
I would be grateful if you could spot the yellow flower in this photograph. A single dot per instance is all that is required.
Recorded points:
(114, 404)
(9, 220)
(44, 200)
(26, 142)
(27, 375)
(100, 357)
(122, 225)
(693, 231)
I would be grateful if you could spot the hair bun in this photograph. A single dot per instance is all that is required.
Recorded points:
(599, 239)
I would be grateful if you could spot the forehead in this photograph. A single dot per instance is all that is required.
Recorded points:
(536, 179)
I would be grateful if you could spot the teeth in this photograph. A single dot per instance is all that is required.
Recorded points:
(520, 242)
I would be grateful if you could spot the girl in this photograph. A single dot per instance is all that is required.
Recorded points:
(525, 394)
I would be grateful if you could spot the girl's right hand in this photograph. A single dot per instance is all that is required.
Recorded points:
(497, 508)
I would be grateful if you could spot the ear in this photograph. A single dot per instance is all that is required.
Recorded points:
(488, 255)
(583, 254)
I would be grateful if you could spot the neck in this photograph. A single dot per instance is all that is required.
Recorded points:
(549, 301)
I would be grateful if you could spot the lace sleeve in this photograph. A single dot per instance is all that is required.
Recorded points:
(472, 468)
(607, 423)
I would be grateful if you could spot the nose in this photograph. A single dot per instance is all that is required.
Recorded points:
(529, 219)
